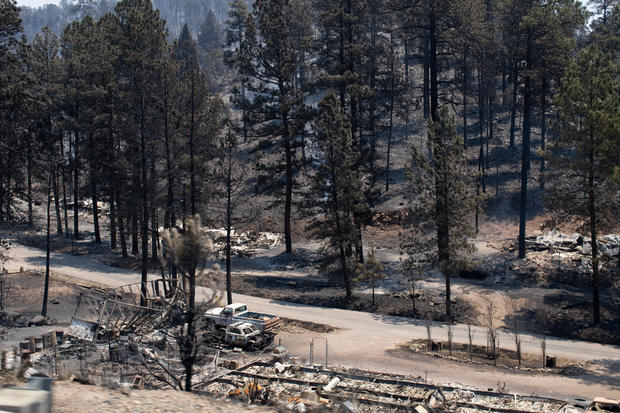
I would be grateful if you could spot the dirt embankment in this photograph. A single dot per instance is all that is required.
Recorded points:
(71, 397)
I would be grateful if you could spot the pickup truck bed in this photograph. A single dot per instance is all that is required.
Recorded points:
(222, 317)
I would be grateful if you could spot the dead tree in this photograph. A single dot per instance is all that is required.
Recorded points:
(515, 327)
(429, 338)
(470, 336)
(232, 200)
(47, 250)
(543, 316)
(189, 252)
(5, 286)
(491, 330)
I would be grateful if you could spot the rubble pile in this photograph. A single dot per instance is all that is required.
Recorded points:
(555, 240)
(571, 250)
(244, 244)
(293, 387)
(114, 342)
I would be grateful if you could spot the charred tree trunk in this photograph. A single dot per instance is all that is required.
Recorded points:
(192, 172)
(406, 91)
(228, 225)
(57, 203)
(391, 121)
(123, 236)
(481, 123)
(465, 96)
(154, 223)
(29, 182)
(525, 150)
(426, 77)
(145, 212)
(134, 234)
(170, 218)
(433, 69)
(113, 240)
(64, 186)
(47, 250)
(373, 85)
(341, 243)
(596, 306)
(288, 201)
(513, 105)
(76, 186)
(93, 187)
(543, 130)
(189, 345)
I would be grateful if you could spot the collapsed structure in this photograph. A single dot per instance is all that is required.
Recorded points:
(114, 341)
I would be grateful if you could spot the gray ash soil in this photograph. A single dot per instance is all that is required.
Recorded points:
(328, 294)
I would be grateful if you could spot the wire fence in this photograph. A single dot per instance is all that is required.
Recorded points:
(313, 351)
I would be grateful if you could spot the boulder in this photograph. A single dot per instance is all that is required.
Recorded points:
(348, 407)
(37, 320)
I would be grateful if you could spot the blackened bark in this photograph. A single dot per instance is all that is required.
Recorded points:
(525, 149)
(134, 234)
(76, 186)
(543, 130)
(153, 209)
(47, 250)
(372, 84)
(342, 84)
(390, 125)
(169, 219)
(64, 186)
(341, 242)
(513, 105)
(596, 306)
(189, 345)
(145, 214)
(113, 240)
(289, 185)
(426, 78)
(29, 183)
(481, 123)
(406, 91)
(93, 187)
(465, 96)
(228, 224)
(123, 236)
(434, 93)
(244, 111)
(154, 235)
(503, 85)
(192, 171)
(57, 203)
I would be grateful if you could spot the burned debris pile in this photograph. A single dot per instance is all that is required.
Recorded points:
(115, 342)
(568, 251)
(286, 384)
(243, 244)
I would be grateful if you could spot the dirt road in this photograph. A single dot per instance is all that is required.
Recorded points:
(371, 341)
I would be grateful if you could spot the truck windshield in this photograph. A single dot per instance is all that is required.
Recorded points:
(227, 311)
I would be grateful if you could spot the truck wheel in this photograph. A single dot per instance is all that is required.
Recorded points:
(211, 326)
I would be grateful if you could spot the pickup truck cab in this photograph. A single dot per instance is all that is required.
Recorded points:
(221, 317)
(245, 335)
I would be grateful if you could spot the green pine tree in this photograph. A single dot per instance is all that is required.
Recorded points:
(335, 187)
(586, 153)
(444, 201)
(371, 270)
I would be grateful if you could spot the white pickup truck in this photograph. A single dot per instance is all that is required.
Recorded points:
(221, 317)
